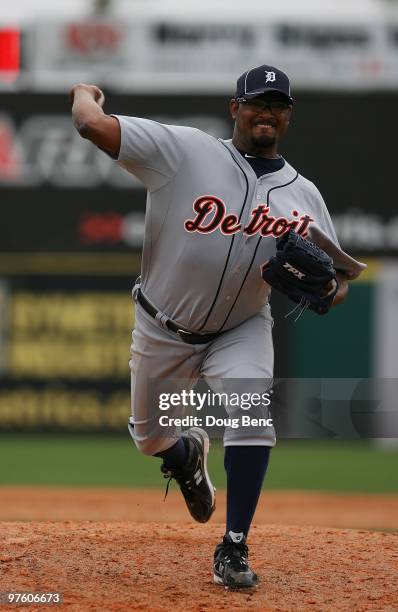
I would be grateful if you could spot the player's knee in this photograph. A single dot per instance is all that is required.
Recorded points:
(147, 445)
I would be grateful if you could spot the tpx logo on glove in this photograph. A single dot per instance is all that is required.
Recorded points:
(293, 270)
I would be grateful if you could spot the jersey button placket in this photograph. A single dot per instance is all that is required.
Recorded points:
(258, 199)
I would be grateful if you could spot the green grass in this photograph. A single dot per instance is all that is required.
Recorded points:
(77, 460)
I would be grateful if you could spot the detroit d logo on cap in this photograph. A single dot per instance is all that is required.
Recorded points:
(269, 77)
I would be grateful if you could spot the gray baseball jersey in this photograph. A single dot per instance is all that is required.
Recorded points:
(203, 268)
(210, 225)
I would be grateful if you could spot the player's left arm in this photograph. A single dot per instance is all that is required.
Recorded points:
(347, 268)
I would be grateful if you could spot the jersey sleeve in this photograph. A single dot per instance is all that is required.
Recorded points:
(322, 215)
(152, 151)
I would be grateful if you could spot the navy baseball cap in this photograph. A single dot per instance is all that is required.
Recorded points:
(260, 80)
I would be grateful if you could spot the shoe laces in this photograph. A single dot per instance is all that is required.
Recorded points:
(180, 475)
(170, 477)
(237, 555)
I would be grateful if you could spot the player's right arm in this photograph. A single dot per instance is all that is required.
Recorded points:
(90, 120)
(151, 151)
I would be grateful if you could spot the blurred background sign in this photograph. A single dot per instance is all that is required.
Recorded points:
(163, 55)
(79, 49)
(155, 47)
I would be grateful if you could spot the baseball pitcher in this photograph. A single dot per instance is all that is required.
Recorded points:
(226, 220)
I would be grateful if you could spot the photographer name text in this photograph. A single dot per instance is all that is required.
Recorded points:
(211, 421)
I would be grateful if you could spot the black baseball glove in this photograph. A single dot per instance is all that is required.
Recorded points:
(303, 272)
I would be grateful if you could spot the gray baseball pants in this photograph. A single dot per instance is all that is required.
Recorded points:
(240, 359)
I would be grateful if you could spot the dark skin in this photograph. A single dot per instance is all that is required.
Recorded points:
(258, 132)
(90, 120)
(255, 132)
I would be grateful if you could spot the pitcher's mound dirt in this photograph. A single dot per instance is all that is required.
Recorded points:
(125, 566)
(359, 511)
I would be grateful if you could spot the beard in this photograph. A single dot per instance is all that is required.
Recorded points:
(263, 142)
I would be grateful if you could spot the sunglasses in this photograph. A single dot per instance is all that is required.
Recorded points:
(276, 107)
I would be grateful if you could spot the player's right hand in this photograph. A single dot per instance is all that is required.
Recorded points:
(96, 93)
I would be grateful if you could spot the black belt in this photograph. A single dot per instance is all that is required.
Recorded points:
(184, 334)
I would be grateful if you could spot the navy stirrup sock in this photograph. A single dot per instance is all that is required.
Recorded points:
(245, 467)
(175, 456)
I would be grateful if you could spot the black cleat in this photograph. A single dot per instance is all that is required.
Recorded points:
(194, 481)
(231, 567)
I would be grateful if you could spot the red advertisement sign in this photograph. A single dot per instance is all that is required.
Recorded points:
(9, 54)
